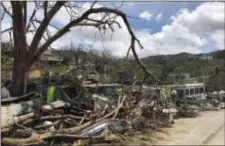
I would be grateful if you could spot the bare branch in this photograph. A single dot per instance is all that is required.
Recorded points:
(79, 21)
(48, 33)
(93, 4)
(8, 29)
(35, 139)
(32, 16)
(128, 52)
(49, 125)
(72, 10)
(45, 8)
(120, 105)
(62, 117)
(105, 22)
(3, 14)
(133, 17)
(72, 24)
(38, 21)
(43, 26)
(33, 32)
(5, 9)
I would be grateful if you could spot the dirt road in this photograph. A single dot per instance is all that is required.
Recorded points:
(206, 129)
(216, 139)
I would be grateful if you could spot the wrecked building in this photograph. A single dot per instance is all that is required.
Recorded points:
(49, 58)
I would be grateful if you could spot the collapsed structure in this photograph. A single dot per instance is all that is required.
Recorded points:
(80, 112)
(87, 112)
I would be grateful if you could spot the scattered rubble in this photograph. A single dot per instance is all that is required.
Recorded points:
(90, 117)
(84, 113)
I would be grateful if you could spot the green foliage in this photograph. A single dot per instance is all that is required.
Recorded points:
(219, 54)
(216, 81)
(196, 67)
(166, 69)
(184, 63)
(161, 66)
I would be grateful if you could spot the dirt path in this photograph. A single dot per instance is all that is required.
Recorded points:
(216, 139)
(208, 128)
(196, 131)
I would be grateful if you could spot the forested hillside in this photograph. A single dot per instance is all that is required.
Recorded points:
(160, 65)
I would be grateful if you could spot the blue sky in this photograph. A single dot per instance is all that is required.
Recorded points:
(162, 27)
(167, 8)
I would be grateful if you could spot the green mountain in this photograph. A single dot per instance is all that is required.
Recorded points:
(196, 65)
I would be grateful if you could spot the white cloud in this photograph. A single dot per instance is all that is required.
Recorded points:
(158, 17)
(146, 15)
(218, 38)
(188, 32)
(172, 39)
(207, 21)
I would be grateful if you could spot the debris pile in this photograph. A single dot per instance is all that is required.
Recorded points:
(29, 120)
(187, 110)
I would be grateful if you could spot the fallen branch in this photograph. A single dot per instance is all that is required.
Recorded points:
(49, 125)
(76, 128)
(38, 138)
(82, 120)
(27, 121)
(16, 120)
(120, 104)
(62, 117)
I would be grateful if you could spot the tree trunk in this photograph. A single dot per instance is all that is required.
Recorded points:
(19, 78)
(20, 64)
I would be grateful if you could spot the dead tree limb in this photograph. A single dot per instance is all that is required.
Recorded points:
(41, 29)
(82, 120)
(5, 9)
(78, 22)
(45, 126)
(92, 5)
(24, 58)
(39, 138)
(62, 117)
(16, 120)
(79, 127)
(120, 105)
(32, 17)
(6, 30)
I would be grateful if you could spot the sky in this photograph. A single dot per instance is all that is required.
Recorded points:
(161, 27)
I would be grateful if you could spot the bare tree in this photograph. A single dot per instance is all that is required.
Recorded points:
(100, 59)
(76, 52)
(26, 54)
